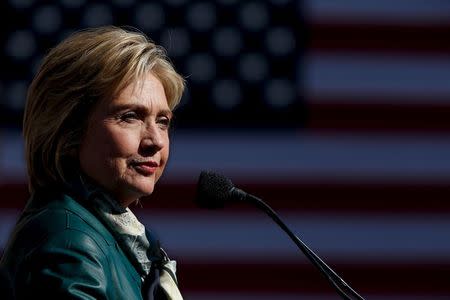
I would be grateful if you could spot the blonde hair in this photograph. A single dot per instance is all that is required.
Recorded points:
(87, 67)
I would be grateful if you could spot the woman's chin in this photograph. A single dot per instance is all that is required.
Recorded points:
(133, 193)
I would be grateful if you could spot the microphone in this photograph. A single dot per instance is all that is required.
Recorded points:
(215, 191)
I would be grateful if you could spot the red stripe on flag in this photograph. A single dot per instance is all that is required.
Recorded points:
(341, 36)
(320, 197)
(430, 279)
(399, 116)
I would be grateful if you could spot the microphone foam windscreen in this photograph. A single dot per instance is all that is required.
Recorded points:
(212, 190)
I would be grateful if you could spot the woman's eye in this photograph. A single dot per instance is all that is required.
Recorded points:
(164, 122)
(129, 116)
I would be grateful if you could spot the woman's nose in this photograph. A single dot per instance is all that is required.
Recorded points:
(152, 138)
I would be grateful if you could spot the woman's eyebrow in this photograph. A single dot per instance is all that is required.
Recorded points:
(166, 112)
(139, 108)
(123, 106)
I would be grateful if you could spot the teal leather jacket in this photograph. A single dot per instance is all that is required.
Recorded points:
(60, 250)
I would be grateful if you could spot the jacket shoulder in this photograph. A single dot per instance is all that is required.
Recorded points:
(60, 246)
(59, 217)
(60, 213)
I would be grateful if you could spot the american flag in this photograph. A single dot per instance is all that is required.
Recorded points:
(356, 162)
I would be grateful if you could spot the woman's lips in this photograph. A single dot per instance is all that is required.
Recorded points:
(146, 168)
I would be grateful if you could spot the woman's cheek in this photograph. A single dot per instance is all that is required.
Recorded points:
(125, 142)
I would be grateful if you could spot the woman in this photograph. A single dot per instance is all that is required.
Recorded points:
(96, 129)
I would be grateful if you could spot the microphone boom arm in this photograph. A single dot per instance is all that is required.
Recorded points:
(342, 288)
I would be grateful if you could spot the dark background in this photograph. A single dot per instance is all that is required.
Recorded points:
(334, 112)
(239, 57)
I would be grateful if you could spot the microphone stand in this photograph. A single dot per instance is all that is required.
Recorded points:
(342, 288)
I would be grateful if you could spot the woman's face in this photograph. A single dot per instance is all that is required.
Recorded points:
(126, 145)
